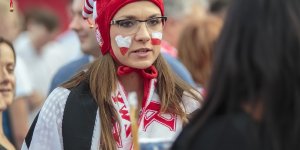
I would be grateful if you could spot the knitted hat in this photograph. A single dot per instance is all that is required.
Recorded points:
(103, 11)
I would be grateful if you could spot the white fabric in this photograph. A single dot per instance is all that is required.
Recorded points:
(41, 68)
(23, 85)
(189, 105)
(87, 3)
(95, 10)
(47, 134)
(152, 124)
(70, 41)
(48, 129)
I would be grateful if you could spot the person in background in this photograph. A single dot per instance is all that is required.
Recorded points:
(254, 92)
(130, 41)
(219, 7)
(69, 38)
(15, 118)
(40, 53)
(175, 10)
(18, 110)
(7, 85)
(11, 25)
(196, 44)
(88, 43)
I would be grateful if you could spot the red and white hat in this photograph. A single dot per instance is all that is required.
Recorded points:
(103, 11)
(89, 8)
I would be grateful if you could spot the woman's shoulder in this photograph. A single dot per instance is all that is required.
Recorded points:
(60, 97)
(46, 128)
(54, 105)
(57, 97)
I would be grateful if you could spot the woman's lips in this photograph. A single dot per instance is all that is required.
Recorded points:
(142, 52)
(5, 91)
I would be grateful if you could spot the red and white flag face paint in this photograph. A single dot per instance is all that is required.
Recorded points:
(156, 38)
(123, 43)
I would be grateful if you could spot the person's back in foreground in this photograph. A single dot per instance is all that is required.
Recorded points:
(131, 61)
(253, 97)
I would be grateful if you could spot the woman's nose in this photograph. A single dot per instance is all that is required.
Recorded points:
(143, 33)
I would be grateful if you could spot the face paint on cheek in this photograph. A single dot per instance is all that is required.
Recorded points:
(156, 38)
(123, 43)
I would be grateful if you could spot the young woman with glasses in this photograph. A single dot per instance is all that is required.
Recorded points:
(129, 34)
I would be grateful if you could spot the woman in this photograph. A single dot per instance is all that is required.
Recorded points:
(7, 85)
(130, 44)
(253, 97)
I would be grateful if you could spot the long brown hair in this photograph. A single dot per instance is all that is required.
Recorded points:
(196, 44)
(102, 79)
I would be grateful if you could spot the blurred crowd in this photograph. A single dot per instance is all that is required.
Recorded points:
(47, 57)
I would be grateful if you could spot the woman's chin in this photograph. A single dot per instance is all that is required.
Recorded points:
(141, 65)
(3, 107)
(5, 103)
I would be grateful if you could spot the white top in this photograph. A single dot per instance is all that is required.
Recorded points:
(47, 134)
(42, 67)
(48, 130)
(23, 85)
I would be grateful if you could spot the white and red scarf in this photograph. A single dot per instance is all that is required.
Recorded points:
(152, 124)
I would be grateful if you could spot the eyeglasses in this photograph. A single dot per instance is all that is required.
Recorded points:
(131, 26)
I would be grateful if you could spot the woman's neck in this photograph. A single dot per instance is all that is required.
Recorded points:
(133, 82)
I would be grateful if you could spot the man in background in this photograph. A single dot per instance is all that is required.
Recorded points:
(88, 43)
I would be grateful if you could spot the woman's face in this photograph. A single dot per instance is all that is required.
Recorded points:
(7, 78)
(132, 44)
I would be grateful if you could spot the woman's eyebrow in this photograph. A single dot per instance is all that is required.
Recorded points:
(134, 17)
(155, 15)
(127, 17)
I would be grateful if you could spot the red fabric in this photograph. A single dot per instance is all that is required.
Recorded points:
(57, 6)
(106, 9)
(87, 11)
(88, 3)
(148, 73)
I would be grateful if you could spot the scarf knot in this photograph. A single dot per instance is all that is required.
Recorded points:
(148, 73)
